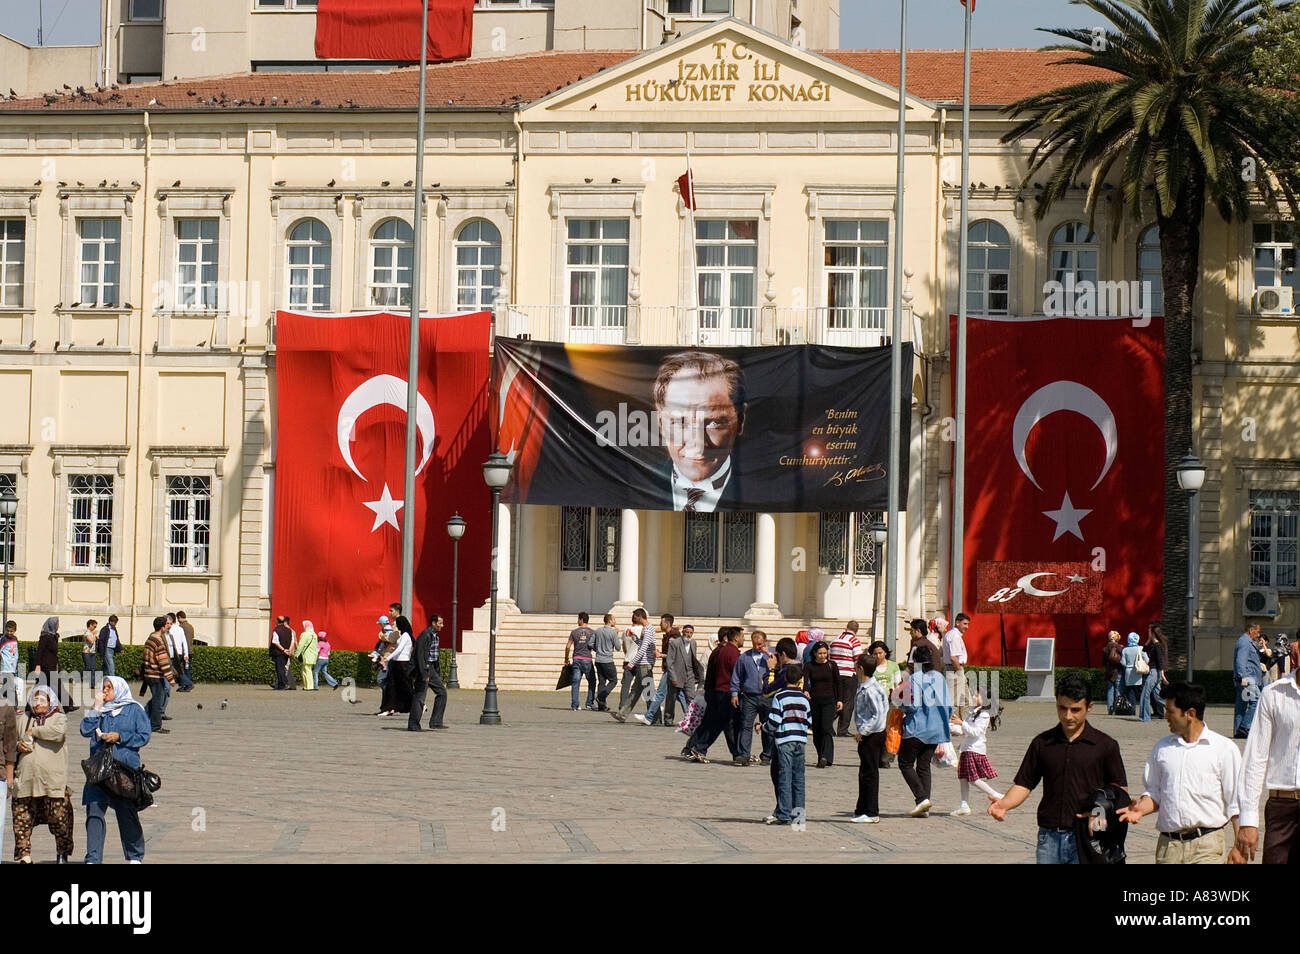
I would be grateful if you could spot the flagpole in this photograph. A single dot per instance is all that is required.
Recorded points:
(894, 538)
(957, 570)
(695, 252)
(413, 355)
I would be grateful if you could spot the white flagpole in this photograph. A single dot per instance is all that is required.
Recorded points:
(957, 570)
(894, 540)
(413, 356)
(695, 252)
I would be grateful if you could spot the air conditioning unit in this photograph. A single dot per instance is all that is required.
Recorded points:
(1276, 300)
(1259, 601)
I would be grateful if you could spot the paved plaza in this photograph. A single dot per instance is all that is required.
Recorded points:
(309, 778)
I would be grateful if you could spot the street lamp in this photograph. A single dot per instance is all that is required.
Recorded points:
(1191, 475)
(8, 508)
(496, 472)
(879, 536)
(455, 530)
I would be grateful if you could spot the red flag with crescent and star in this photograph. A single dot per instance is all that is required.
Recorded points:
(340, 448)
(1064, 480)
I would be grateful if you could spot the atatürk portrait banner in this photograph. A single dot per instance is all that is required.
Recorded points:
(778, 429)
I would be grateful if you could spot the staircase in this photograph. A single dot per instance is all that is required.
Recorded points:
(530, 646)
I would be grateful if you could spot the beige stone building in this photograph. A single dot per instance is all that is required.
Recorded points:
(147, 239)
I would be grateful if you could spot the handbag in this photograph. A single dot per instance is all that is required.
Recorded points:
(566, 677)
(894, 731)
(1140, 665)
(112, 776)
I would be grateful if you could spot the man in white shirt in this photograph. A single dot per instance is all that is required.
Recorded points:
(641, 664)
(1272, 762)
(954, 664)
(1190, 781)
(181, 657)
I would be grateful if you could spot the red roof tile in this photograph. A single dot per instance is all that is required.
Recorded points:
(997, 77)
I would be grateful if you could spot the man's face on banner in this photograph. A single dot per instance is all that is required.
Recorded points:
(699, 424)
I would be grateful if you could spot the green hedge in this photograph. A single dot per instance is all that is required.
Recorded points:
(1012, 683)
(231, 664)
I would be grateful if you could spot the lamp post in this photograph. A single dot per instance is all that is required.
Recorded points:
(1191, 475)
(455, 530)
(879, 536)
(8, 508)
(496, 472)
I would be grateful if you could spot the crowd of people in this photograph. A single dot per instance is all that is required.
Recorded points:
(923, 712)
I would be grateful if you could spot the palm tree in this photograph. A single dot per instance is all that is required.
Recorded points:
(1176, 122)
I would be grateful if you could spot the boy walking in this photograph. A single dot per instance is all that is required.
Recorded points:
(789, 720)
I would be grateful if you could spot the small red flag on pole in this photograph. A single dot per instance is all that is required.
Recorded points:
(972, 5)
(686, 186)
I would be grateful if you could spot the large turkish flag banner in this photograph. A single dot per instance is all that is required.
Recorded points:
(1064, 464)
(339, 469)
(390, 29)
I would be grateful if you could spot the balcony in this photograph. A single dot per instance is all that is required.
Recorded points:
(705, 327)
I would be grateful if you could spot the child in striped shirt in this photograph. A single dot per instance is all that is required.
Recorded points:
(788, 720)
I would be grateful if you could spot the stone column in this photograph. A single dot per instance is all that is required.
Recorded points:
(764, 605)
(504, 557)
(629, 562)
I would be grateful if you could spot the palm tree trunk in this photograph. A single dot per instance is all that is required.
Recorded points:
(1180, 253)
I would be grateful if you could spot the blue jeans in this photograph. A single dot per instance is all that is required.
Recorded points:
(660, 695)
(789, 780)
(1149, 696)
(1243, 712)
(583, 667)
(183, 679)
(128, 827)
(321, 671)
(108, 662)
(752, 705)
(1057, 847)
(1112, 695)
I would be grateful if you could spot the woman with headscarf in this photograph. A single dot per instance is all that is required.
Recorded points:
(307, 651)
(1133, 679)
(41, 780)
(46, 662)
(119, 720)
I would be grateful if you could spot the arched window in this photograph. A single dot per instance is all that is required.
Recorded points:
(988, 269)
(478, 265)
(1149, 268)
(1073, 252)
(391, 255)
(309, 266)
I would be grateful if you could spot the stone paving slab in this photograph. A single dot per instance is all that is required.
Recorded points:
(311, 778)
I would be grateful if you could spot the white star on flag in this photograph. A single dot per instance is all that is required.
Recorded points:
(1075, 578)
(385, 509)
(1067, 518)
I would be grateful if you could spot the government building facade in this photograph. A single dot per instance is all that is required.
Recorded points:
(149, 234)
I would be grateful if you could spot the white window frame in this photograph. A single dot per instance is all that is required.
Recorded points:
(987, 272)
(14, 462)
(102, 244)
(1278, 250)
(857, 319)
(391, 272)
(318, 275)
(13, 251)
(95, 524)
(454, 210)
(484, 294)
(198, 203)
(287, 210)
(1274, 539)
(1146, 246)
(1073, 247)
(697, 10)
(614, 201)
(514, 4)
(725, 273)
(594, 315)
(199, 295)
(272, 6)
(133, 17)
(195, 492)
(716, 201)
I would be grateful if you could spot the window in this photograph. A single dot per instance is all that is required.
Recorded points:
(13, 248)
(1274, 520)
(309, 266)
(597, 257)
(478, 265)
(8, 484)
(101, 260)
(857, 281)
(700, 8)
(988, 269)
(196, 263)
(146, 9)
(845, 535)
(287, 4)
(516, 3)
(1149, 268)
(90, 529)
(189, 507)
(1073, 252)
(1275, 254)
(726, 255)
(391, 255)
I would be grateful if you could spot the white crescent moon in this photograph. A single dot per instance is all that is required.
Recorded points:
(1026, 583)
(382, 389)
(1063, 396)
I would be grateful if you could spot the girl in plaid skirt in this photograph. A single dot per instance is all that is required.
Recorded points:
(973, 765)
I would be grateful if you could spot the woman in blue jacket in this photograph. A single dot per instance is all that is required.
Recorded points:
(926, 710)
(119, 719)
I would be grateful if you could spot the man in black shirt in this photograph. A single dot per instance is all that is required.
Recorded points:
(1072, 760)
(425, 675)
